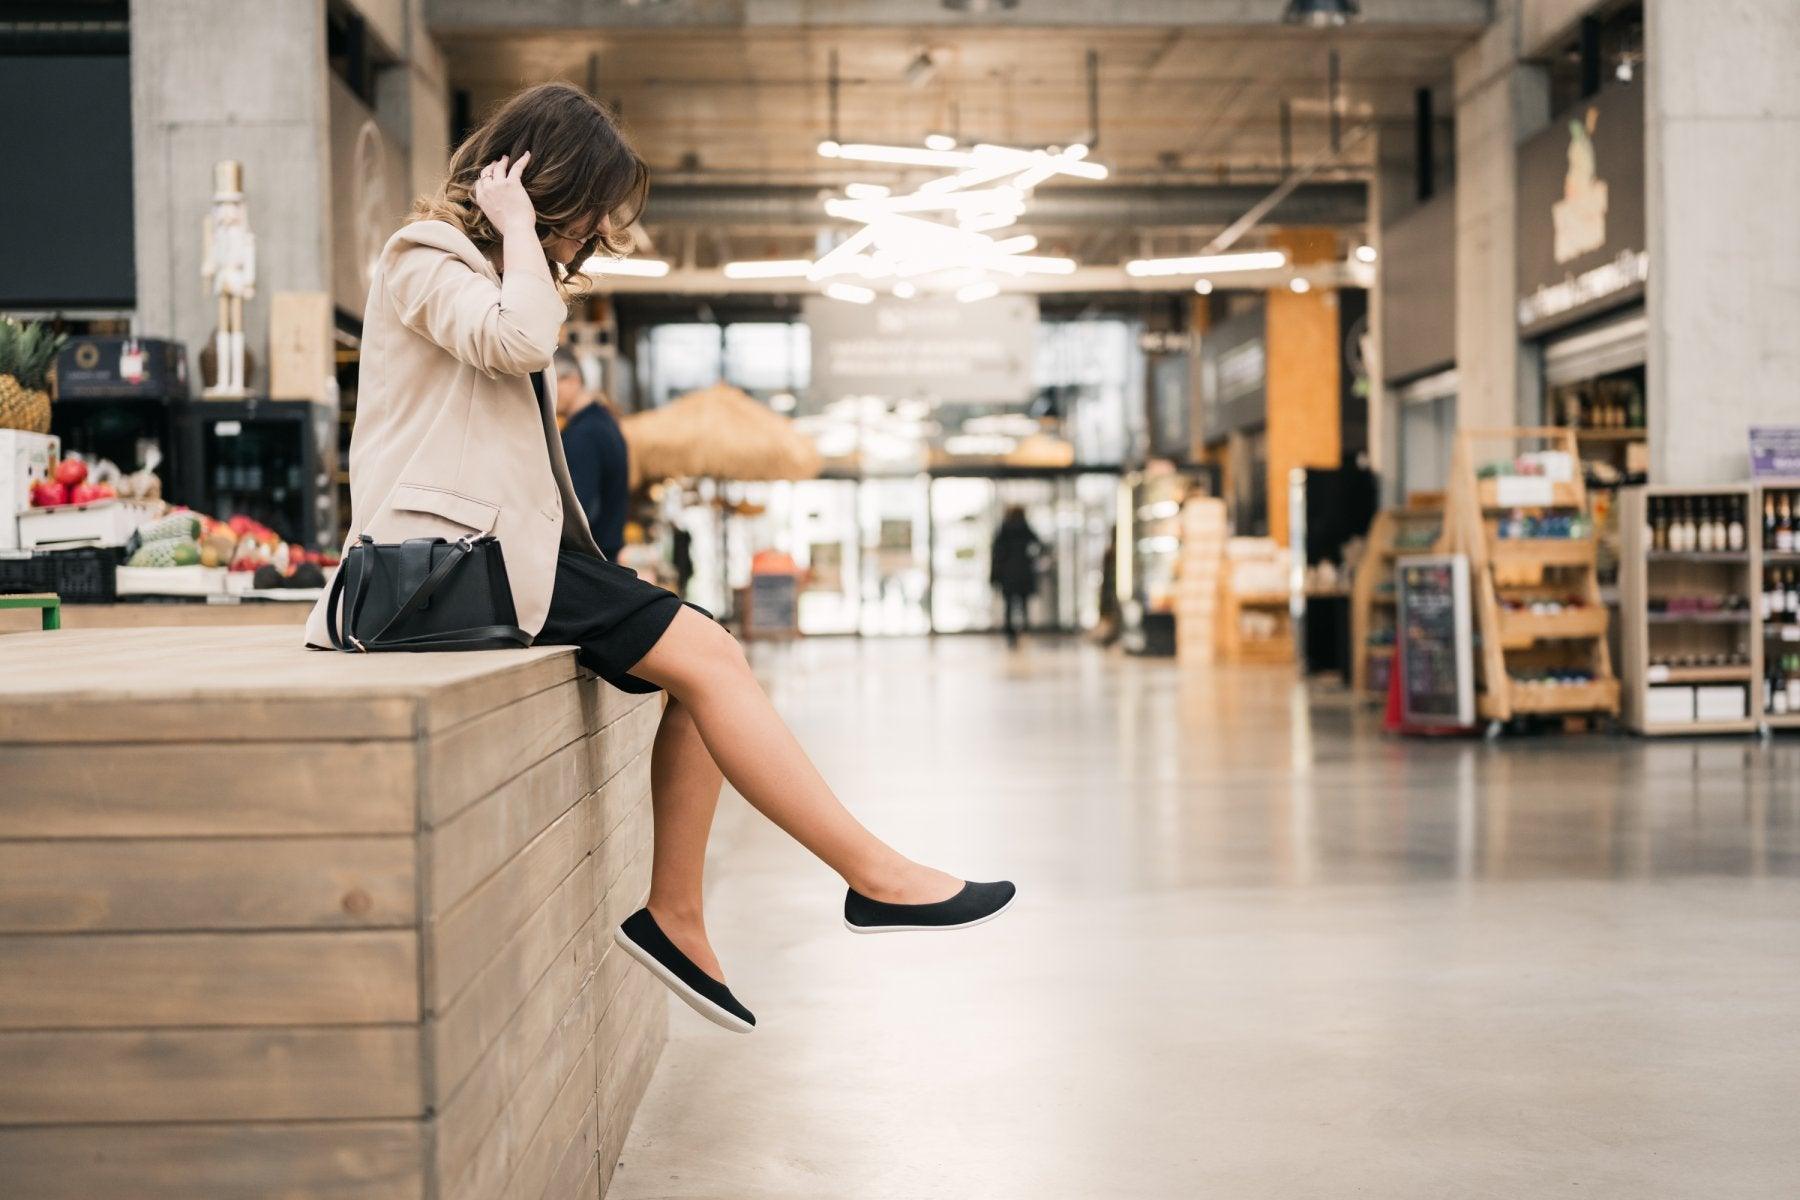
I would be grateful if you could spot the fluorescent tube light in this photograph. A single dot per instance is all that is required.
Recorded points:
(643, 268)
(1208, 264)
(773, 268)
(850, 292)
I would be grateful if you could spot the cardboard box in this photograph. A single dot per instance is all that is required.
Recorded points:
(25, 459)
(1669, 706)
(301, 360)
(1721, 702)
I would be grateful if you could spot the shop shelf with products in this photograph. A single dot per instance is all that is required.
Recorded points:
(1775, 554)
(1689, 646)
(1255, 603)
(1415, 528)
(1519, 509)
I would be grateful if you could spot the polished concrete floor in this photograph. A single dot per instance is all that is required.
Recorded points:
(1260, 950)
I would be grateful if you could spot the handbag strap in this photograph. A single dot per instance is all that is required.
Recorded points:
(474, 637)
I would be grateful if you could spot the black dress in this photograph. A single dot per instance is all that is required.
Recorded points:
(609, 613)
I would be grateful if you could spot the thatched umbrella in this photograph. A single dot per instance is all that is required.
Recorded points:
(717, 432)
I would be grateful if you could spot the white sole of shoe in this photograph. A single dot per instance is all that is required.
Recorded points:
(928, 928)
(688, 995)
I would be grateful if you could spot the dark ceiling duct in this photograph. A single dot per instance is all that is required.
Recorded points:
(1116, 208)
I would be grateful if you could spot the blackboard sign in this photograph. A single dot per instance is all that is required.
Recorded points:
(1437, 688)
(773, 600)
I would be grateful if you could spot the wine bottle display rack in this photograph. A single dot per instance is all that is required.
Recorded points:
(1519, 510)
(1710, 606)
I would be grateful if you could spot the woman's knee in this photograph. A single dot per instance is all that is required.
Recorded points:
(692, 650)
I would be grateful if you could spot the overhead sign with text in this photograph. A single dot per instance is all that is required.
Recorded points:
(978, 353)
(1581, 212)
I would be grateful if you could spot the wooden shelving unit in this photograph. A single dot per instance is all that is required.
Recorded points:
(1518, 571)
(1771, 638)
(1372, 587)
(1648, 576)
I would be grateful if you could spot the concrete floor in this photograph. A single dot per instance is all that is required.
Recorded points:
(1260, 951)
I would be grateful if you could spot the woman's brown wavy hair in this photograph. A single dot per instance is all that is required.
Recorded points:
(581, 165)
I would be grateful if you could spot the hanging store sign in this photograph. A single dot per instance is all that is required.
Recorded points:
(1234, 374)
(1581, 213)
(974, 353)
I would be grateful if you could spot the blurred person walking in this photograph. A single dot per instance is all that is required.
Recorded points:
(465, 307)
(599, 460)
(1013, 568)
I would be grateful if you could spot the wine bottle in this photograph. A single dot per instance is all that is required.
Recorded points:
(1784, 525)
(1704, 534)
(1734, 532)
(1768, 520)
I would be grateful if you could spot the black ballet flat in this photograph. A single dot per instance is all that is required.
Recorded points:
(644, 940)
(977, 902)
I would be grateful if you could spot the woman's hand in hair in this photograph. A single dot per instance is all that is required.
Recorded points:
(502, 197)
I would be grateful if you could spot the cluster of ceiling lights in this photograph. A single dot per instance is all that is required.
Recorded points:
(940, 236)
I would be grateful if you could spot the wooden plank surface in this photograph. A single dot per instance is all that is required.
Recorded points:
(168, 979)
(119, 885)
(476, 1016)
(468, 1106)
(467, 761)
(149, 1075)
(244, 684)
(566, 1058)
(149, 615)
(460, 942)
(200, 789)
(330, 1160)
(478, 841)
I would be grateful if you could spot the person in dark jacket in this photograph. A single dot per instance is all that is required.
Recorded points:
(599, 461)
(1013, 563)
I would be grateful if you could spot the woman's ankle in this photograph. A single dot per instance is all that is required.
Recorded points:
(683, 914)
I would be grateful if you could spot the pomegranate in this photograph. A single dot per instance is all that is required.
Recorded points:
(70, 472)
(49, 494)
(85, 493)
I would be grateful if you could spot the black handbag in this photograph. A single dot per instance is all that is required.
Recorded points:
(423, 594)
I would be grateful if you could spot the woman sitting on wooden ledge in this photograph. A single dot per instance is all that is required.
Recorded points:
(455, 435)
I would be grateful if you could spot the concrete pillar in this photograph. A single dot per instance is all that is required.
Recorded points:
(1499, 102)
(1722, 169)
(1392, 191)
(1304, 373)
(218, 79)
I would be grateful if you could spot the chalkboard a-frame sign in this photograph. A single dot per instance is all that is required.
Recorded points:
(1437, 685)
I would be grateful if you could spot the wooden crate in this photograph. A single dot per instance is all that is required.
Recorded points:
(276, 922)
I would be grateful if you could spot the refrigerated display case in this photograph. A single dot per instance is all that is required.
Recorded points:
(1150, 507)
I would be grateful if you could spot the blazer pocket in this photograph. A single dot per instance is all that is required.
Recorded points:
(467, 511)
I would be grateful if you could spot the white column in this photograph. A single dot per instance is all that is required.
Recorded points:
(1722, 173)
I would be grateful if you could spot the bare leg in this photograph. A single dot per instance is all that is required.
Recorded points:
(684, 788)
(703, 667)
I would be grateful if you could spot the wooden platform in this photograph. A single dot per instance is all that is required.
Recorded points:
(140, 615)
(278, 922)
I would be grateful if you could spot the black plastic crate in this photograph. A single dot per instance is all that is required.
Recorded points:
(87, 576)
(27, 573)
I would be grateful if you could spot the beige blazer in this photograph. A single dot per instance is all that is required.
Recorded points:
(450, 438)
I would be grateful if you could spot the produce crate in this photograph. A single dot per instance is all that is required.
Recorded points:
(86, 576)
(24, 573)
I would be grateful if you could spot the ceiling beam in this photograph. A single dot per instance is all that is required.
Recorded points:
(1212, 205)
(464, 16)
(710, 281)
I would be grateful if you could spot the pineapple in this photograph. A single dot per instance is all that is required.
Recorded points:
(27, 353)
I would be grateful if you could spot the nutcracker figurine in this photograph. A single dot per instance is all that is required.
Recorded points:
(230, 270)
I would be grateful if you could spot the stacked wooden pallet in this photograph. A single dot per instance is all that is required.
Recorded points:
(1197, 578)
(281, 923)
